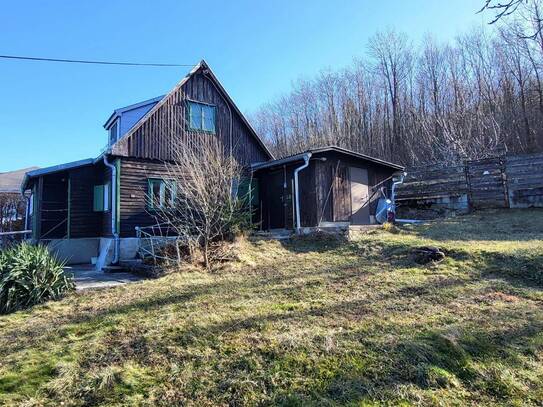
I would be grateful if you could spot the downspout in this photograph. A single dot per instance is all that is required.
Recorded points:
(113, 169)
(307, 156)
(393, 190)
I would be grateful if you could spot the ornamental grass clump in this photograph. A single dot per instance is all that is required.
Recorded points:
(30, 275)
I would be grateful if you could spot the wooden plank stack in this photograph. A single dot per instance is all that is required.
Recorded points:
(505, 181)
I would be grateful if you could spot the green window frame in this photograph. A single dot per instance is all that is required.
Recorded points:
(102, 198)
(201, 117)
(247, 189)
(161, 193)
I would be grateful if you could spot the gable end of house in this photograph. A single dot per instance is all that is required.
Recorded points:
(171, 121)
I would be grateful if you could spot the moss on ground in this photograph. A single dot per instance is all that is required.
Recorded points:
(310, 322)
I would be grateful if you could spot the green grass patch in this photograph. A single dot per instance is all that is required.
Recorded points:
(306, 322)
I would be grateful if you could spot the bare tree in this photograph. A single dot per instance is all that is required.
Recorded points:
(465, 99)
(528, 10)
(12, 212)
(204, 198)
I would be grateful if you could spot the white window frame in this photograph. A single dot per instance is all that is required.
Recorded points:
(107, 197)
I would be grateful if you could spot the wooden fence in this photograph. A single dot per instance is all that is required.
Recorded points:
(504, 181)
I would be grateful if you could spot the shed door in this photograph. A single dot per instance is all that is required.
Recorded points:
(359, 196)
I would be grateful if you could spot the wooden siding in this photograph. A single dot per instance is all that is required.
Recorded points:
(325, 190)
(133, 194)
(84, 222)
(54, 206)
(334, 203)
(166, 126)
(505, 181)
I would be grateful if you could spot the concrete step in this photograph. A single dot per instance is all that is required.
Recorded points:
(114, 269)
(279, 234)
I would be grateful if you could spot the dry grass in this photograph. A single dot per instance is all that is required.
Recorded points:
(309, 322)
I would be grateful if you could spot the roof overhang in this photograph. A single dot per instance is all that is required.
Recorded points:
(53, 169)
(300, 156)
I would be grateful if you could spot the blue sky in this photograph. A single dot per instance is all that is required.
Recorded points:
(53, 113)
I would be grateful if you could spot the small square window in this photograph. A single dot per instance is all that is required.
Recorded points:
(201, 117)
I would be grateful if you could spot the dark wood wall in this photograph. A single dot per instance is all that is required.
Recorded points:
(84, 222)
(167, 126)
(325, 190)
(134, 183)
(74, 190)
(334, 202)
(505, 181)
(54, 206)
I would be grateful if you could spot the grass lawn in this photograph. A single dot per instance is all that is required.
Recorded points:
(311, 322)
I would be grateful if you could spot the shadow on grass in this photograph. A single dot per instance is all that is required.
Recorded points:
(485, 225)
(519, 268)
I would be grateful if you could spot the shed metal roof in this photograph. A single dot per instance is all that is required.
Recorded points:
(300, 156)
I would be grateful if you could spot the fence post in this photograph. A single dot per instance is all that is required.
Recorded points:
(503, 170)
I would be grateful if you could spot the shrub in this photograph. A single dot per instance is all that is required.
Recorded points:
(390, 227)
(30, 275)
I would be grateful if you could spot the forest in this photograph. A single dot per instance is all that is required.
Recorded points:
(425, 102)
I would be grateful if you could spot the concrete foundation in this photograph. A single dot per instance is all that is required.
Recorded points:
(99, 249)
(75, 251)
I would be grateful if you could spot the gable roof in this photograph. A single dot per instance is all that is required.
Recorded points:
(201, 65)
(300, 156)
(117, 112)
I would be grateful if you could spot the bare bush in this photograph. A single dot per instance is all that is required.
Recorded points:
(202, 201)
(12, 212)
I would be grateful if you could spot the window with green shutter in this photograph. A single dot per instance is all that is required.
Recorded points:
(101, 199)
(98, 205)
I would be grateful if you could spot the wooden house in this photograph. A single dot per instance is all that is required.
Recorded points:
(91, 208)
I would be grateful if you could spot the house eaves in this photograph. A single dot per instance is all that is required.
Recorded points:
(55, 168)
(300, 157)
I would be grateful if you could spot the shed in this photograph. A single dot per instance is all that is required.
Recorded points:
(336, 187)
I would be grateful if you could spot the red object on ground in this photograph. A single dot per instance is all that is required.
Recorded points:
(391, 216)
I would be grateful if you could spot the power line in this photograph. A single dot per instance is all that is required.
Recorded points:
(81, 61)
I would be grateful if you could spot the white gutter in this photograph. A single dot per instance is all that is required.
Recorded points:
(113, 169)
(306, 157)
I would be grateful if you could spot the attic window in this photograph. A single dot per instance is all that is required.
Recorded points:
(201, 117)
(113, 130)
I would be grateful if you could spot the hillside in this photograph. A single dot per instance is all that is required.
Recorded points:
(11, 181)
(311, 322)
